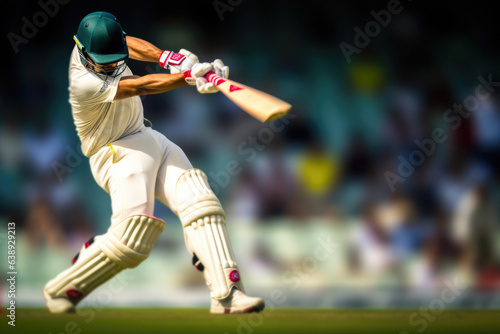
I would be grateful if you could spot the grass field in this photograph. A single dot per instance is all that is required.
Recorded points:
(158, 320)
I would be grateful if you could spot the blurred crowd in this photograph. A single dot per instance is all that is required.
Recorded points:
(351, 124)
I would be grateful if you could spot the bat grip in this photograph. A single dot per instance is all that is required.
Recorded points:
(214, 78)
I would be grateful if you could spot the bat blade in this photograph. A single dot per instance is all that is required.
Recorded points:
(258, 104)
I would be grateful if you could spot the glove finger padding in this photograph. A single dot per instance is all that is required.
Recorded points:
(187, 64)
(205, 87)
(197, 76)
(220, 69)
(201, 69)
(190, 55)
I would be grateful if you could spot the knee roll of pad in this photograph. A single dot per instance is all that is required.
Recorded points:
(194, 198)
(129, 242)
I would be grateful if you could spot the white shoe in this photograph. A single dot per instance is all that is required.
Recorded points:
(58, 305)
(237, 302)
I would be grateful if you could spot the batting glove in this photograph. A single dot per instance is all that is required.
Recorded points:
(196, 76)
(220, 69)
(178, 62)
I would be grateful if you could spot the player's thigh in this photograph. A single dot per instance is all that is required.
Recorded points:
(175, 163)
(132, 175)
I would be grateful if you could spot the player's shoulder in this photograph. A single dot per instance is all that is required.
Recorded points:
(86, 86)
(79, 76)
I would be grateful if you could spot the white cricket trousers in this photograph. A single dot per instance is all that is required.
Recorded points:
(137, 169)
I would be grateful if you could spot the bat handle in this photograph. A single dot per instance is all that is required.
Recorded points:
(214, 78)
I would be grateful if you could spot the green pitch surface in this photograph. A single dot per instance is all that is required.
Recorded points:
(159, 320)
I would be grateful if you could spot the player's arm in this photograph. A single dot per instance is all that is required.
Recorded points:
(142, 50)
(181, 62)
(133, 85)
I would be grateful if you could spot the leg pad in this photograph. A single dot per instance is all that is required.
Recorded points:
(125, 245)
(205, 232)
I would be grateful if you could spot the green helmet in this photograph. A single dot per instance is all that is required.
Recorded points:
(101, 37)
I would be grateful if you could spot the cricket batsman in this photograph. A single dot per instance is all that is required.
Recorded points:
(136, 165)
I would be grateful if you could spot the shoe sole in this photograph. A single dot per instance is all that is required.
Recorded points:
(47, 298)
(252, 309)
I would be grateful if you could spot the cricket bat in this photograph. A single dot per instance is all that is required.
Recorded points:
(260, 105)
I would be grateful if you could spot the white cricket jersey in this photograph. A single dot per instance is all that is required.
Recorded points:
(98, 119)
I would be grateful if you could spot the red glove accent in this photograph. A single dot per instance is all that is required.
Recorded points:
(189, 78)
(170, 58)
